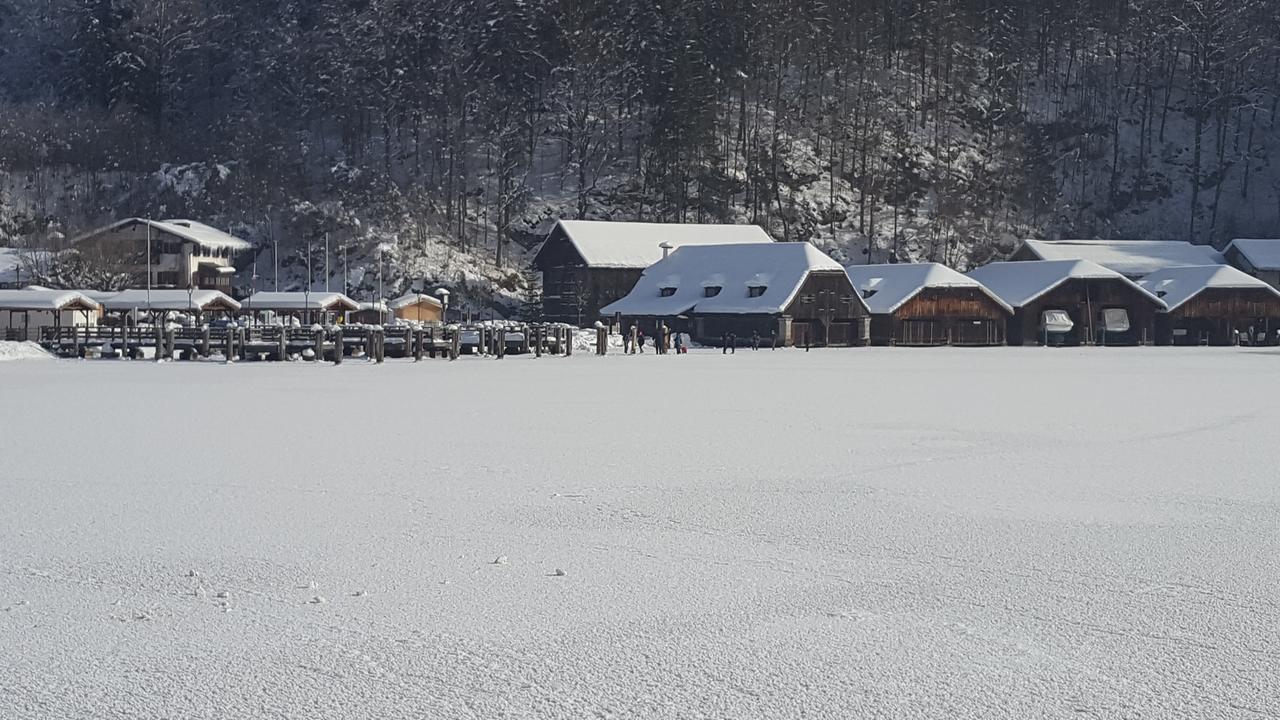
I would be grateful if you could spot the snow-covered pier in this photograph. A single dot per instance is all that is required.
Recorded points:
(317, 342)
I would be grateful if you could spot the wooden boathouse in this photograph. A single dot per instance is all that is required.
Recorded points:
(586, 264)
(928, 304)
(1214, 305)
(1071, 302)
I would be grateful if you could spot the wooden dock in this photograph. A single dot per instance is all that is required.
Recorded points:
(328, 343)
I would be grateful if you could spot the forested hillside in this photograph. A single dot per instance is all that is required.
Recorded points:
(446, 132)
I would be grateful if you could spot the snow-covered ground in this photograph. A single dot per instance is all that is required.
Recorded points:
(848, 533)
(10, 350)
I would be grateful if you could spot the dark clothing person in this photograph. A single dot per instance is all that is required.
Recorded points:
(755, 339)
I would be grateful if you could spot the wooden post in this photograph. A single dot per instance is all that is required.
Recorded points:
(569, 334)
(230, 351)
(537, 340)
(204, 341)
(455, 343)
(282, 345)
(75, 338)
(380, 338)
(501, 345)
(416, 336)
(240, 342)
(317, 337)
(338, 346)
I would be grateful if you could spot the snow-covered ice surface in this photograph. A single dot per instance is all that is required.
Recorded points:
(846, 533)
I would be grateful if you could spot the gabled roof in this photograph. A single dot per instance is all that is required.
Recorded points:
(604, 244)
(1132, 258)
(175, 300)
(893, 285)
(410, 299)
(1018, 283)
(191, 230)
(1178, 285)
(293, 301)
(1262, 253)
(45, 300)
(779, 268)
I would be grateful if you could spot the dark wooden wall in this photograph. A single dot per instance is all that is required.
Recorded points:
(1081, 297)
(1216, 314)
(942, 316)
(573, 292)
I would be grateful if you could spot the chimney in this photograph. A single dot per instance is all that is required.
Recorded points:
(666, 249)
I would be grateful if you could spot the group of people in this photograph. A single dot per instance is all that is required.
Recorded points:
(633, 341)
(729, 341)
(634, 338)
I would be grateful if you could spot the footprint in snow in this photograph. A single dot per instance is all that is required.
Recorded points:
(559, 573)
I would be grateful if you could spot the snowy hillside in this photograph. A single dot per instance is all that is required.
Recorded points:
(448, 134)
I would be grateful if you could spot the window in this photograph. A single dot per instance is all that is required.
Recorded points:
(756, 290)
(846, 299)
(869, 292)
(666, 292)
(711, 291)
(807, 299)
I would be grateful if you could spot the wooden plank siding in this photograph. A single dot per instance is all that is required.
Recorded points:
(572, 291)
(943, 316)
(1084, 300)
(1215, 315)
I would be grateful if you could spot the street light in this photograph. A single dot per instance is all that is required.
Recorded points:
(444, 304)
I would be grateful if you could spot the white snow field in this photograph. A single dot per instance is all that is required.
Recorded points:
(999, 533)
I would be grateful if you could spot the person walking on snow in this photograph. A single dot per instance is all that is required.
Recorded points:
(639, 341)
(755, 339)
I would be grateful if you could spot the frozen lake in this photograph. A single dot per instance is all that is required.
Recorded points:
(844, 533)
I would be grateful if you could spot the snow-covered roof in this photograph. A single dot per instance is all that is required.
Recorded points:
(894, 285)
(1131, 258)
(291, 301)
(1178, 285)
(779, 268)
(1262, 253)
(47, 300)
(1018, 283)
(636, 245)
(99, 296)
(410, 299)
(175, 300)
(196, 232)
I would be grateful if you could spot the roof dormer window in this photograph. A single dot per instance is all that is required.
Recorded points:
(756, 290)
(711, 290)
(666, 292)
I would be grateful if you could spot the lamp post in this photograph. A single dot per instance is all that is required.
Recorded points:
(306, 293)
(444, 304)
